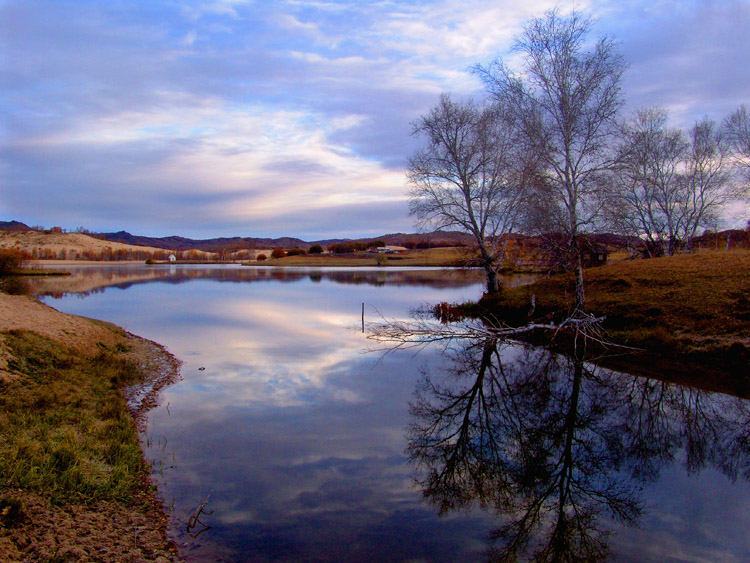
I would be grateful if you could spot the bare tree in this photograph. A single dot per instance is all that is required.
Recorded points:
(737, 127)
(668, 185)
(467, 177)
(737, 131)
(565, 101)
(707, 187)
(646, 198)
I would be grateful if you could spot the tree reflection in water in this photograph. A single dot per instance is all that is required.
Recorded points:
(558, 448)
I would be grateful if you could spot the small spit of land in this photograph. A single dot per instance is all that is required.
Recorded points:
(430, 257)
(73, 483)
(683, 311)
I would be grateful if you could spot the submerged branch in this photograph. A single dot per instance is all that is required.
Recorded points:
(421, 331)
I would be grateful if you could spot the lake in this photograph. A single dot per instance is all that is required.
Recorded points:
(304, 441)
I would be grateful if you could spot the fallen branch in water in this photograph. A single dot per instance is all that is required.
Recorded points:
(194, 520)
(423, 330)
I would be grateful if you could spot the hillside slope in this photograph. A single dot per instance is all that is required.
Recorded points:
(68, 245)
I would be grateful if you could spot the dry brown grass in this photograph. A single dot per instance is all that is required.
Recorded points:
(434, 257)
(706, 294)
(687, 307)
(70, 242)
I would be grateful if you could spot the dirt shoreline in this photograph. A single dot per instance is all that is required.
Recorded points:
(79, 531)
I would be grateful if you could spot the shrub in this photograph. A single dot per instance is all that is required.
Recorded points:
(316, 249)
(261, 257)
(278, 253)
(447, 313)
(11, 260)
(295, 252)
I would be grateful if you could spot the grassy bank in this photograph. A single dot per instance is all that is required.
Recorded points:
(687, 308)
(73, 483)
(431, 257)
(65, 427)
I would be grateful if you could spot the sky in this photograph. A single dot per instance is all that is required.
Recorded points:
(209, 118)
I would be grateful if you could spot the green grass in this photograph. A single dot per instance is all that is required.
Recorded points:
(65, 430)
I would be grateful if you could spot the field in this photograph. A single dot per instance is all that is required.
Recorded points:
(436, 257)
(692, 308)
(67, 244)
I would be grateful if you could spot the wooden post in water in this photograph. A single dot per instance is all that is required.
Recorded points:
(363, 318)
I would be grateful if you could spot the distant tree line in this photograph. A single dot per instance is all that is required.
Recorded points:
(122, 254)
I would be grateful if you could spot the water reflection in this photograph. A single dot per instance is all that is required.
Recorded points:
(558, 449)
(295, 433)
(93, 278)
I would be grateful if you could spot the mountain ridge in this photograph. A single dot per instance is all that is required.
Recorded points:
(435, 238)
(177, 242)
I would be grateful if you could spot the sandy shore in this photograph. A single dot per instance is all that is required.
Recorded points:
(105, 531)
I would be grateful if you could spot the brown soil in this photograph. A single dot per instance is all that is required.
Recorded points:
(106, 531)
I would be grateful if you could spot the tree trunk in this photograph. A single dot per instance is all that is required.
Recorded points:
(671, 246)
(578, 266)
(493, 282)
(580, 294)
(488, 263)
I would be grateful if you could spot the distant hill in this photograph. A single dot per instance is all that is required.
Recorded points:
(437, 238)
(209, 245)
(409, 240)
(174, 242)
(13, 226)
(48, 245)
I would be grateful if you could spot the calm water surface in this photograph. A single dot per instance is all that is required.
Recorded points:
(308, 447)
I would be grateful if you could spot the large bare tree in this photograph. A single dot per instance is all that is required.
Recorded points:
(565, 100)
(468, 176)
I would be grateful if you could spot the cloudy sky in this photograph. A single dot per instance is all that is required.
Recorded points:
(209, 118)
